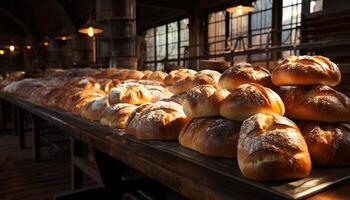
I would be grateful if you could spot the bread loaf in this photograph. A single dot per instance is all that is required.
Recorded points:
(157, 121)
(270, 148)
(178, 74)
(204, 101)
(317, 103)
(211, 136)
(115, 116)
(244, 73)
(249, 99)
(190, 82)
(94, 109)
(329, 144)
(130, 93)
(306, 70)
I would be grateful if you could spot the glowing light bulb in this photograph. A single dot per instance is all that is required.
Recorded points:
(46, 43)
(2, 52)
(239, 10)
(64, 38)
(90, 31)
(28, 47)
(12, 48)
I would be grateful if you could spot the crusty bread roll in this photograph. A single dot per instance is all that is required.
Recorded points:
(158, 92)
(135, 74)
(211, 136)
(212, 73)
(178, 74)
(244, 73)
(317, 103)
(115, 116)
(94, 109)
(249, 99)
(107, 84)
(270, 148)
(81, 103)
(204, 101)
(156, 76)
(177, 98)
(328, 144)
(306, 70)
(157, 121)
(190, 82)
(107, 73)
(130, 93)
(84, 83)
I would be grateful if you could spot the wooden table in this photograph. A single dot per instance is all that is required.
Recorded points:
(191, 179)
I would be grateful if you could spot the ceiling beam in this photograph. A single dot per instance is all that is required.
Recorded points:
(178, 5)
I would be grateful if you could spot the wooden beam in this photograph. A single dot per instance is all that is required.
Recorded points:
(178, 5)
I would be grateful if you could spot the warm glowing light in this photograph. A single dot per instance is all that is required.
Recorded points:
(63, 38)
(239, 10)
(46, 43)
(12, 48)
(2, 52)
(91, 31)
(28, 47)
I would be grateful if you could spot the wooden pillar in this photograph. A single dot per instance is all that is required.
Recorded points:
(276, 27)
(36, 138)
(197, 35)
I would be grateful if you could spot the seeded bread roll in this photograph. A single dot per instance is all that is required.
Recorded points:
(249, 99)
(306, 70)
(157, 121)
(244, 73)
(130, 93)
(271, 148)
(190, 82)
(115, 116)
(316, 103)
(204, 101)
(211, 136)
(328, 143)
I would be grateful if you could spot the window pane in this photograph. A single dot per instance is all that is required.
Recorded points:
(216, 32)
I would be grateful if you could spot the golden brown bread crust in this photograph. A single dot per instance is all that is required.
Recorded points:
(115, 116)
(249, 99)
(157, 121)
(107, 84)
(178, 74)
(211, 136)
(306, 70)
(185, 84)
(156, 76)
(270, 148)
(135, 75)
(316, 103)
(212, 73)
(130, 93)
(107, 73)
(244, 73)
(328, 144)
(204, 101)
(94, 109)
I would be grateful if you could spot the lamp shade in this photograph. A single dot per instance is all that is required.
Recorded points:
(90, 28)
(241, 7)
(63, 36)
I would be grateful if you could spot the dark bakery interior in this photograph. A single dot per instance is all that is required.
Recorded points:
(174, 100)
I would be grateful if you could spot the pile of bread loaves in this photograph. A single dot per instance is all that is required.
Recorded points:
(237, 114)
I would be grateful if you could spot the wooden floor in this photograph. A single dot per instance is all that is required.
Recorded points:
(23, 179)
